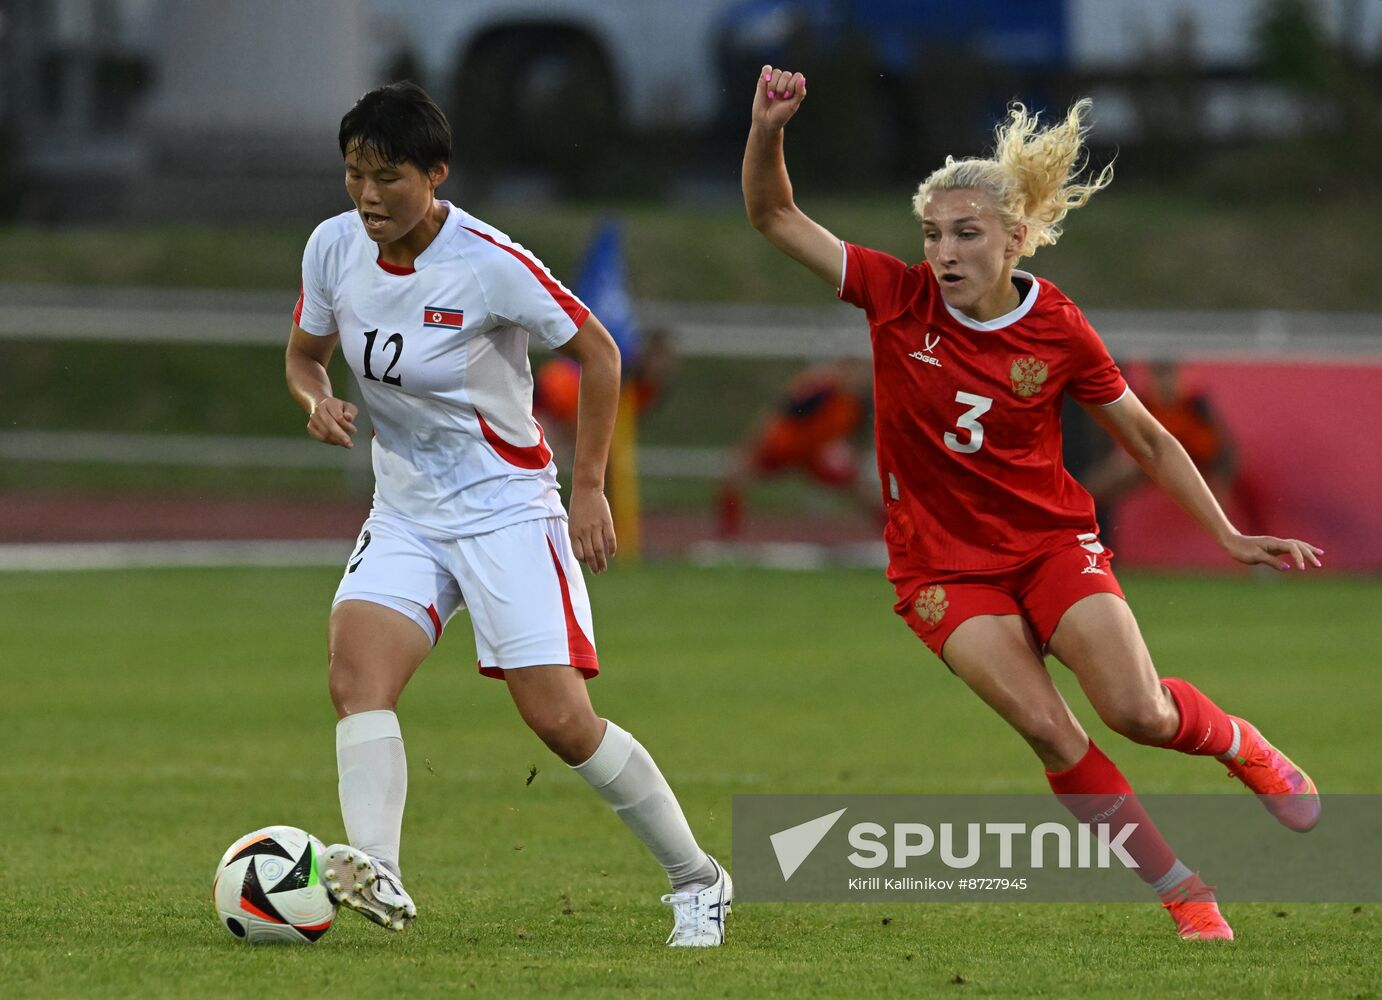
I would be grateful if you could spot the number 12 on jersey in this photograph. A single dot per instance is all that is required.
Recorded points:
(396, 342)
(969, 421)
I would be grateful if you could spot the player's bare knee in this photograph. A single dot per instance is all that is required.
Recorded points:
(341, 699)
(356, 689)
(1143, 721)
(550, 724)
(343, 690)
(568, 732)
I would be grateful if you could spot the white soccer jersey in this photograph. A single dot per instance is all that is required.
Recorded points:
(441, 356)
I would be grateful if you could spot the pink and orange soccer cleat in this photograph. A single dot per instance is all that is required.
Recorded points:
(1286, 790)
(1196, 913)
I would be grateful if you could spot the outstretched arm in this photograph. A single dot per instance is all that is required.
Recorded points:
(767, 190)
(1164, 459)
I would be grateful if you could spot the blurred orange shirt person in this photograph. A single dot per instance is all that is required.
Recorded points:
(557, 389)
(1190, 420)
(812, 429)
(557, 383)
(824, 408)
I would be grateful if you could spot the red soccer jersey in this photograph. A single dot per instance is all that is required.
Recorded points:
(968, 418)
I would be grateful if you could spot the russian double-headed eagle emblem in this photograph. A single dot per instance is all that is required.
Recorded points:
(1027, 375)
(930, 604)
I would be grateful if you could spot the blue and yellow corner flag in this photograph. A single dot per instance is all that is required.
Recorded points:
(603, 286)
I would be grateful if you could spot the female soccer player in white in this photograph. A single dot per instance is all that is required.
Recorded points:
(433, 309)
(993, 548)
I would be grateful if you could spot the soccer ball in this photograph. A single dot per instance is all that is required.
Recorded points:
(268, 887)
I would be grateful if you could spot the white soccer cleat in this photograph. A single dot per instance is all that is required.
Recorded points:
(358, 882)
(701, 913)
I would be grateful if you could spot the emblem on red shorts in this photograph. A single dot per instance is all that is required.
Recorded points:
(1027, 375)
(930, 604)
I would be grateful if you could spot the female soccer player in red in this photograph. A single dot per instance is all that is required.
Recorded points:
(993, 548)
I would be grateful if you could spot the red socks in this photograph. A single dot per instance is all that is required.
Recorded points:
(1205, 729)
(1095, 791)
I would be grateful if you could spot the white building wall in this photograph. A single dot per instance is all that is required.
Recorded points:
(241, 125)
(259, 67)
(1112, 33)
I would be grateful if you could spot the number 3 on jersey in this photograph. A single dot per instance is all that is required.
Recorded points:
(969, 421)
(396, 342)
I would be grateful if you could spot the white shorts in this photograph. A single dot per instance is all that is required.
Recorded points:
(522, 586)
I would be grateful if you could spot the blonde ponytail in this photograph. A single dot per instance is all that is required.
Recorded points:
(1029, 176)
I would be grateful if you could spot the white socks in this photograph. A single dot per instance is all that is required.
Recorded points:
(624, 775)
(373, 782)
(374, 786)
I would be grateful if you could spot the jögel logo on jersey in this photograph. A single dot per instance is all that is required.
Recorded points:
(443, 319)
(928, 355)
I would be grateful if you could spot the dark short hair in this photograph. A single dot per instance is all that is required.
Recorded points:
(399, 123)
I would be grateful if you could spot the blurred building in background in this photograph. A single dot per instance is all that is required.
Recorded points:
(159, 109)
(226, 111)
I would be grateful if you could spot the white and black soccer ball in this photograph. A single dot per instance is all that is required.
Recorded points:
(268, 887)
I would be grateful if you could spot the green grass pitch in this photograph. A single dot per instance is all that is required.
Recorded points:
(151, 717)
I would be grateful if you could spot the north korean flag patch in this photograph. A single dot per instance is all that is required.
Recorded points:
(441, 318)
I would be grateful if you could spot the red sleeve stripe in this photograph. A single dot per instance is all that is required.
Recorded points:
(568, 302)
(297, 309)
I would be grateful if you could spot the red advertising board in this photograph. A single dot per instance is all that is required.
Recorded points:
(1307, 433)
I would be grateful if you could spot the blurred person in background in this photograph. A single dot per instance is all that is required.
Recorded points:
(993, 547)
(1190, 418)
(557, 390)
(818, 428)
(433, 309)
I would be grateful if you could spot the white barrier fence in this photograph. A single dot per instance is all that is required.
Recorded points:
(162, 316)
(150, 315)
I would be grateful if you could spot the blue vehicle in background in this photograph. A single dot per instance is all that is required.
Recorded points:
(558, 76)
(1030, 34)
(898, 82)
(902, 82)
(117, 106)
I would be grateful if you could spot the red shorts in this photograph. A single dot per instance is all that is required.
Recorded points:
(1041, 590)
